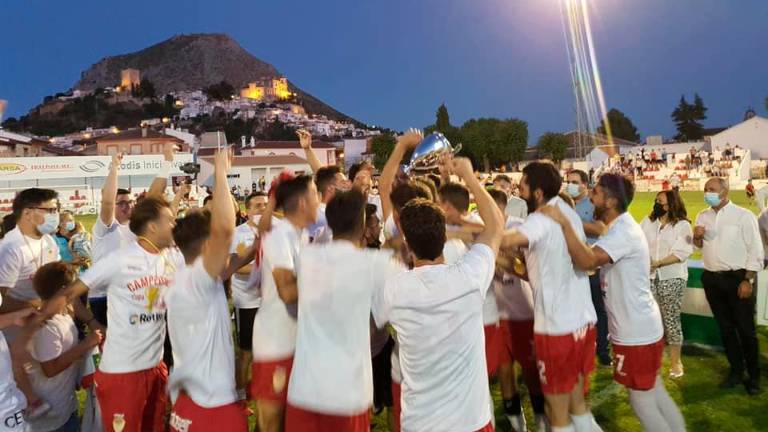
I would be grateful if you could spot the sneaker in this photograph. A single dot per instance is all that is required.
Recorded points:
(517, 422)
(676, 371)
(542, 425)
(37, 409)
(731, 381)
(753, 387)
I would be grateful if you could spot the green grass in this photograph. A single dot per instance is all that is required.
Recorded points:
(705, 407)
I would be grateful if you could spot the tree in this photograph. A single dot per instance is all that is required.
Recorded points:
(688, 119)
(443, 121)
(554, 145)
(382, 146)
(221, 91)
(145, 89)
(766, 104)
(494, 142)
(278, 131)
(621, 126)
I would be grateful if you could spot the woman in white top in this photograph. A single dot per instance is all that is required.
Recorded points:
(670, 240)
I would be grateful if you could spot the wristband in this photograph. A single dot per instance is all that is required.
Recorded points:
(165, 170)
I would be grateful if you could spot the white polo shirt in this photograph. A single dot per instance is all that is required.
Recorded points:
(674, 240)
(561, 296)
(332, 366)
(274, 329)
(135, 281)
(731, 240)
(20, 257)
(107, 239)
(633, 315)
(201, 336)
(244, 295)
(437, 313)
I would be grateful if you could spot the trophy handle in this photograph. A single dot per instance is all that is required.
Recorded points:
(457, 148)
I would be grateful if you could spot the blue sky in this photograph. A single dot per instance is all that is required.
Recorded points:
(392, 62)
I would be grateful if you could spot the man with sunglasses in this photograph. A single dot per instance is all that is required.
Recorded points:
(111, 232)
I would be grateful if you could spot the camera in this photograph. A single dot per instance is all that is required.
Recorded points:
(190, 168)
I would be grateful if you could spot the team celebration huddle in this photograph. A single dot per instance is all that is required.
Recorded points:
(351, 297)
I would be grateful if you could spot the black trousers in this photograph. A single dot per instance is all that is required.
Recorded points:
(736, 318)
(598, 300)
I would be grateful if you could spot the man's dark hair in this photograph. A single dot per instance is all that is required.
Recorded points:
(544, 176)
(32, 197)
(356, 168)
(121, 191)
(404, 192)
(502, 177)
(325, 176)
(191, 231)
(253, 195)
(426, 181)
(289, 192)
(619, 187)
(423, 224)
(345, 213)
(456, 195)
(499, 196)
(145, 211)
(582, 176)
(435, 179)
(206, 199)
(52, 278)
(370, 210)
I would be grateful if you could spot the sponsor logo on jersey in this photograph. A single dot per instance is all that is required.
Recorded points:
(146, 318)
(178, 423)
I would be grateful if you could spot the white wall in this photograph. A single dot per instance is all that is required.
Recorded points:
(751, 134)
(354, 149)
(325, 155)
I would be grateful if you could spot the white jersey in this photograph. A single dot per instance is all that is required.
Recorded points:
(274, 329)
(107, 239)
(633, 315)
(514, 297)
(20, 257)
(332, 366)
(437, 313)
(561, 294)
(244, 295)
(135, 281)
(201, 337)
(57, 336)
(12, 400)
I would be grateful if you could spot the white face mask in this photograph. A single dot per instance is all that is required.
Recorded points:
(50, 223)
(573, 190)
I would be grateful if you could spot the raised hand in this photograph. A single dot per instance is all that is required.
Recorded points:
(305, 138)
(223, 159)
(462, 167)
(410, 139)
(117, 159)
(169, 150)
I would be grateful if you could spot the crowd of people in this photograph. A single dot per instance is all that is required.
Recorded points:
(349, 302)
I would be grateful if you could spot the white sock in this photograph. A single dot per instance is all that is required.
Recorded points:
(585, 423)
(240, 394)
(668, 407)
(568, 428)
(647, 411)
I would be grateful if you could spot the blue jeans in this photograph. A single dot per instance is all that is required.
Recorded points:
(598, 300)
(72, 425)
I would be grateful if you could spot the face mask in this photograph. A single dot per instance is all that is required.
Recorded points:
(658, 211)
(70, 226)
(573, 190)
(712, 198)
(50, 223)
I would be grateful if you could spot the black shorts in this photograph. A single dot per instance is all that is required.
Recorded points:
(382, 376)
(244, 325)
(99, 309)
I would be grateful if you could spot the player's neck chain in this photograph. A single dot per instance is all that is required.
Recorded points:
(149, 243)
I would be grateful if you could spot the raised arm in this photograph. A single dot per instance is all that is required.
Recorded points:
(157, 188)
(216, 252)
(265, 223)
(183, 191)
(405, 142)
(486, 206)
(305, 140)
(109, 192)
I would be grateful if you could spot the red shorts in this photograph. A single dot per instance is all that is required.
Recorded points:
(396, 406)
(187, 416)
(517, 346)
(492, 347)
(486, 428)
(133, 401)
(636, 367)
(300, 420)
(562, 359)
(270, 380)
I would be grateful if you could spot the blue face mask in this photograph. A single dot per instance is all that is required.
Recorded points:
(573, 190)
(50, 224)
(712, 198)
(70, 226)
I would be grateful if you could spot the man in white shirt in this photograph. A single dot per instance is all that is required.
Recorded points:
(328, 180)
(202, 383)
(25, 249)
(564, 317)
(274, 329)
(130, 382)
(12, 400)
(762, 223)
(111, 231)
(634, 320)
(331, 384)
(436, 310)
(246, 296)
(732, 252)
(515, 206)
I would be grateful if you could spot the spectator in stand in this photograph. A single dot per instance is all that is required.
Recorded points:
(674, 181)
(750, 190)
(732, 254)
(669, 237)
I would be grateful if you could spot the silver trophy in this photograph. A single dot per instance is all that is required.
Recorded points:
(427, 154)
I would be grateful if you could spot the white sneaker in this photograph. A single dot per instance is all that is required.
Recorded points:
(542, 425)
(517, 422)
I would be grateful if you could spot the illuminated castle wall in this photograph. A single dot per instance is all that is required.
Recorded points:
(267, 89)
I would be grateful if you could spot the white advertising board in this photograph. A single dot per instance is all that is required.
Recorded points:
(60, 167)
